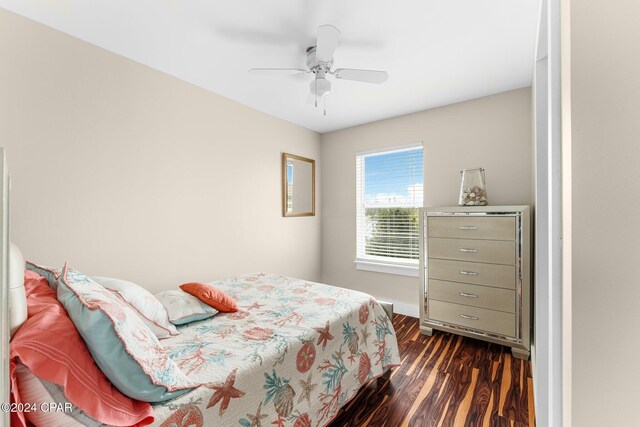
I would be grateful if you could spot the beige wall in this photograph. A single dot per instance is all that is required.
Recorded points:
(605, 103)
(126, 171)
(494, 132)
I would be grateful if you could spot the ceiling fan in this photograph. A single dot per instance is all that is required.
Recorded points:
(320, 61)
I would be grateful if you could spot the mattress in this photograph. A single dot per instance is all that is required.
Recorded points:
(293, 355)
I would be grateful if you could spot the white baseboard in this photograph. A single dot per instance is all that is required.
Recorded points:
(404, 308)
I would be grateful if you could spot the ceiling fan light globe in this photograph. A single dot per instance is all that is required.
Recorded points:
(320, 87)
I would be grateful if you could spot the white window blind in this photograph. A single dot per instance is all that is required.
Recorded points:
(389, 194)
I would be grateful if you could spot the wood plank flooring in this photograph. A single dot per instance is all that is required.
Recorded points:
(445, 380)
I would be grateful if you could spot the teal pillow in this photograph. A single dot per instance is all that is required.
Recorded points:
(123, 347)
(192, 318)
(51, 274)
(183, 308)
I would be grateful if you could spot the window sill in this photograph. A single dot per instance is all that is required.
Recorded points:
(380, 267)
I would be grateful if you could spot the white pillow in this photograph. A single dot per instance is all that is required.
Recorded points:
(184, 308)
(150, 310)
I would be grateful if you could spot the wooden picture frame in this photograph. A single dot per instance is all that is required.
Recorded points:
(287, 191)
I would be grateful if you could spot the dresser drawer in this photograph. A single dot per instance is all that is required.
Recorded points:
(482, 319)
(473, 295)
(471, 227)
(493, 251)
(502, 276)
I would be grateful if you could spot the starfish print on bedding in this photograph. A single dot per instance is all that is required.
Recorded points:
(256, 420)
(279, 422)
(324, 336)
(307, 389)
(365, 335)
(224, 392)
(255, 305)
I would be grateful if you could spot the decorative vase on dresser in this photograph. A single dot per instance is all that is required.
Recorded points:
(475, 274)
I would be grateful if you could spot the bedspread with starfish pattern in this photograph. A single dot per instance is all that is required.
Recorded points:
(293, 355)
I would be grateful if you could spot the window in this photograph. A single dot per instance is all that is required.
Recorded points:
(389, 193)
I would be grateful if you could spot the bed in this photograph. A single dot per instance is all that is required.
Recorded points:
(293, 355)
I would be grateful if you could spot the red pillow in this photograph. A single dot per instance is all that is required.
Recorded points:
(211, 296)
(49, 344)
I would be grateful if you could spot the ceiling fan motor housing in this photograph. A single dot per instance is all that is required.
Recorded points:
(313, 63)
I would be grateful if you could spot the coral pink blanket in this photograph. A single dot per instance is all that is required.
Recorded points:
(50, 346)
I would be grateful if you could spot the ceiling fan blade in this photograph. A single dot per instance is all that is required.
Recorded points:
(328, 37)
(267, 71)
(369, 76)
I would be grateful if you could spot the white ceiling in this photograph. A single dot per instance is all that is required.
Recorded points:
(436, 52)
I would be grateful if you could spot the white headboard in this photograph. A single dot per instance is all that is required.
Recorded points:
(17, 297)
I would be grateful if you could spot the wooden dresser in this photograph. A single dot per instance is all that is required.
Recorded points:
(475, 274)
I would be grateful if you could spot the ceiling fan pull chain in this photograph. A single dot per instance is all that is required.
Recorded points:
(325, 105)
(316, 91)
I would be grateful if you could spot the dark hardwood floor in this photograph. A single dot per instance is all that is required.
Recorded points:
(445, 380)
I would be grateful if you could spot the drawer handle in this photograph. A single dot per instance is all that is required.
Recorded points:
(468, 250)
(468, 227)
(464, 294)
(464, 316)
(468, 273)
